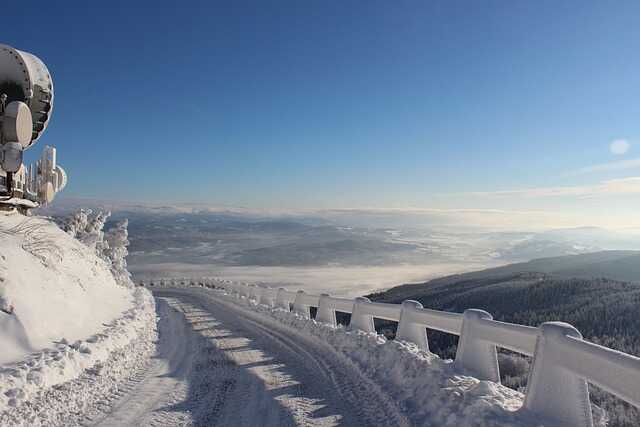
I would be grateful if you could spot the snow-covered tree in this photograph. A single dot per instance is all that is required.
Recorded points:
(110, 246)
(94, 234)
(115, 251)
(87, 228)
(76, 223)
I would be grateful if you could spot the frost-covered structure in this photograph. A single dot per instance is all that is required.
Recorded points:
(26, 104)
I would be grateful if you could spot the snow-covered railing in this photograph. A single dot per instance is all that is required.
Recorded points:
(563, 363)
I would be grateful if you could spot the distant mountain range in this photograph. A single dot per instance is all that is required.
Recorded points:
(231, 239)
(199, 234)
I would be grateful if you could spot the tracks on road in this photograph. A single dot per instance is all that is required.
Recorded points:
(222, 364)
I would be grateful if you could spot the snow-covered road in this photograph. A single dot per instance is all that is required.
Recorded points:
(221, 364)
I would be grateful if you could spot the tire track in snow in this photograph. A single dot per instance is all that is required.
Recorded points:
(370, 402)
(326, 379)
(222, 364)
(138, 400)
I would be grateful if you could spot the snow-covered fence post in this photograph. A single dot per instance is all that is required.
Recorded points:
(476, 355)
(299, 306)
(553, 391)
(266, 297)
(232, 288)
(245, 291)
(359, 317)
(238, 289)
(257, 293)
(254, 292)
(282, 301)
(326, 313)
(408, 329)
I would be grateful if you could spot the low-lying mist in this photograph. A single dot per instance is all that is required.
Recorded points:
(339, 281)
(344, 252)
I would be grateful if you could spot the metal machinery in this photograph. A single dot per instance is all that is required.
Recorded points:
(26, 104)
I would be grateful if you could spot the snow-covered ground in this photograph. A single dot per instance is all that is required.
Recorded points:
(65, 384)
(275, 368)
(80, 349)
(175, 386)
(54, 287)
(70, 336)
(266, 374)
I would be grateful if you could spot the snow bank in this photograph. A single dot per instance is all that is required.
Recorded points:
(85, 373)
(53, 286)
(428, 388)
(65, 322)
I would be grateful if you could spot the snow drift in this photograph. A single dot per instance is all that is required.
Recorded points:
(52, 287)
(67, 320)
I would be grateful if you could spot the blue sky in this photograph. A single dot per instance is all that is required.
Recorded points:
(477, 104)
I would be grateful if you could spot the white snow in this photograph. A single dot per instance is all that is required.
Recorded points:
(83, 371)
(260, 372)
(426, 389)
(65, 322)
(79, 349)
(56, 288)
(430, 389)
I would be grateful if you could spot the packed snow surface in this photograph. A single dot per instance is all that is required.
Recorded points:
(52, 288)
(270, 367)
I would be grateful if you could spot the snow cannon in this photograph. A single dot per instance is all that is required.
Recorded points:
(26, 104)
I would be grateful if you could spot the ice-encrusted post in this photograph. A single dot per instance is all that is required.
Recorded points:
(359, 317)
(253, 292)
(230, 289)
(257, 293)
(247, 291)
(553, 391)
(299, 306)
(244, 290)
(476, 355)
(239, 289)
(408, 330)
(326, 313)
(281, 299)
(235, 288)
(266, 297)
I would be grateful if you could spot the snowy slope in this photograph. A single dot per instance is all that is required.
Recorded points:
(85, 373)
(56, 288)
(65, 322)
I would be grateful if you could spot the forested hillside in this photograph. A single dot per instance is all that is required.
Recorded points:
(605, 311)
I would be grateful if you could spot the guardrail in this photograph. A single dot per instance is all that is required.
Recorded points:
(563, 363)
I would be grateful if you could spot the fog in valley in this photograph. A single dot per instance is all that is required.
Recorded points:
(343, 252)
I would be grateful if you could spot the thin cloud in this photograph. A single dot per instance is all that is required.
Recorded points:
(607, 167)
(611, 187)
